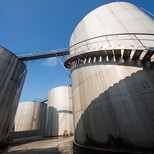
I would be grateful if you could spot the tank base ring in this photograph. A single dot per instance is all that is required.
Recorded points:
(81, 149)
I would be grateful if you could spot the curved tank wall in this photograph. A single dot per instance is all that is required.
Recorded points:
(112, 78)
(117, 25)
(30, 116)
(11, 82)
(59, 112)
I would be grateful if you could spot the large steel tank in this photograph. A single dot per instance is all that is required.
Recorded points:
(30, 116)
(12, 75)
(59, 112)
(112, 78)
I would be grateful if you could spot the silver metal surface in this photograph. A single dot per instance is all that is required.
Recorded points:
(59, 112)
(11, 83)
(120, 25)
(30, 116)
(112, 77)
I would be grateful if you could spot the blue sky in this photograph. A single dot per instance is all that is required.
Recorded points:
(32, 25)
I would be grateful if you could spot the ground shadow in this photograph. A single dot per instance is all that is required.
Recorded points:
(36, 151)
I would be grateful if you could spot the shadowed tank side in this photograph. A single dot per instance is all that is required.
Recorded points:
(12, 75)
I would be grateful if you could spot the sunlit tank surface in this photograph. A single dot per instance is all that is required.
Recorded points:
(59, 112)
(30, 116)
(12, 75)
(111, 61)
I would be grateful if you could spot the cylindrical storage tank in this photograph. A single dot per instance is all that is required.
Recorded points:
(12, 75)
(30, 116)
(59, 112)
(112, 79)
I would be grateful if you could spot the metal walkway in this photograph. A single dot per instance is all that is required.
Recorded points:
(47, 55)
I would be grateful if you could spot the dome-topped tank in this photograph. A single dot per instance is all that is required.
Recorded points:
(112, 77)
(12, 75)
(117, 25)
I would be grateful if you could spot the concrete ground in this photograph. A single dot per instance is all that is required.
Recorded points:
(41, 145)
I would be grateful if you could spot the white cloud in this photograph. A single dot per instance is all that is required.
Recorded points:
(51, 62)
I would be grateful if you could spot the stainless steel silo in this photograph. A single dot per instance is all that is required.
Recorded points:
(59, 112)
(111, 61)
(12, 75)
(30, 116)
